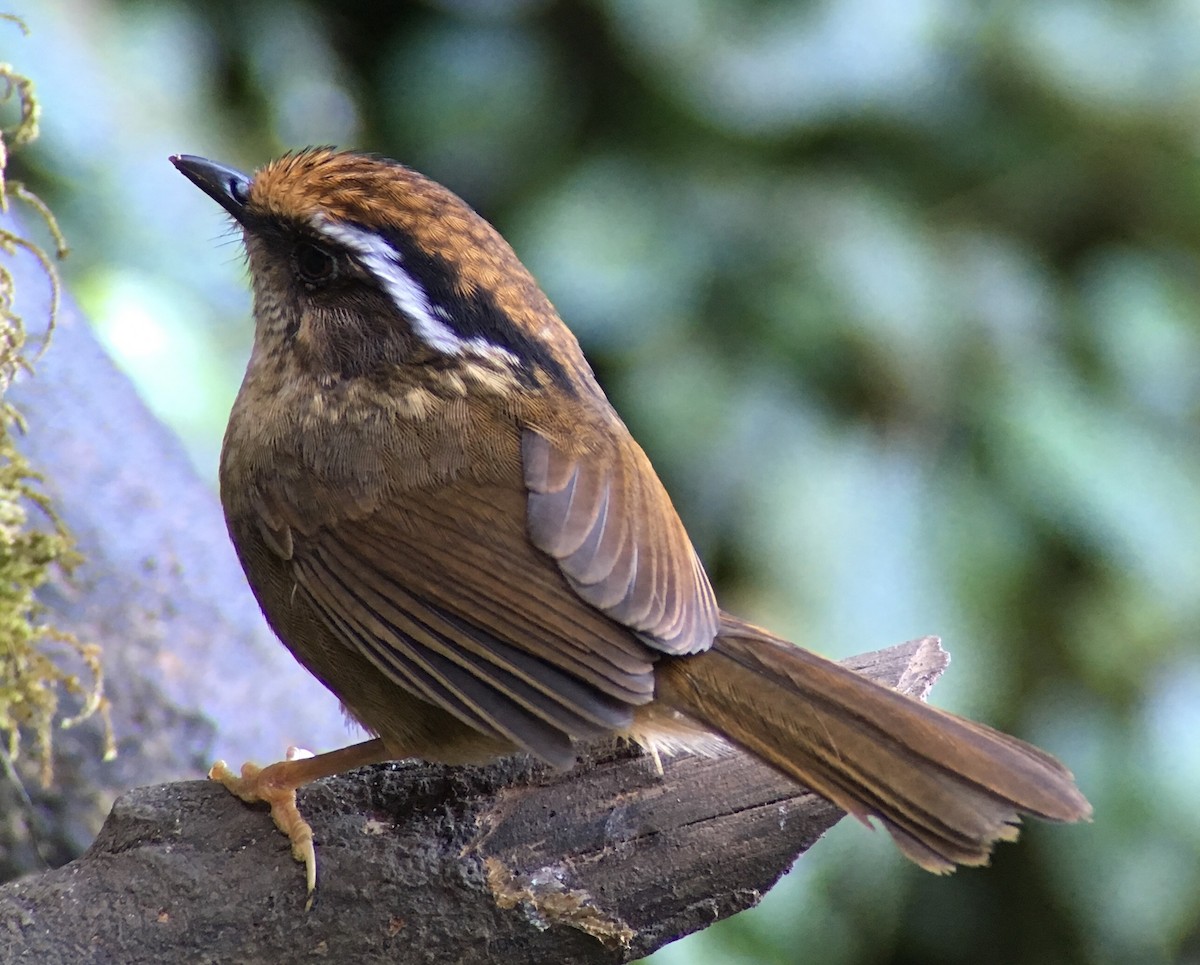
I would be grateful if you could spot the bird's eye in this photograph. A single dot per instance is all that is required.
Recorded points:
(313, 264)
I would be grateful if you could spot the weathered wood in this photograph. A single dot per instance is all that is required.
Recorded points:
(421, 863)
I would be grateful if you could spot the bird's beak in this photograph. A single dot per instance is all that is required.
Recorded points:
(229, 188)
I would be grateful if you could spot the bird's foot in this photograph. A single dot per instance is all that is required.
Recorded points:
(276, 786)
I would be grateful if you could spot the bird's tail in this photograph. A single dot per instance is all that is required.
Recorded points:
(946, 788)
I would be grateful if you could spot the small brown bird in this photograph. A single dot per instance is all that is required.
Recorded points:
(444, 519)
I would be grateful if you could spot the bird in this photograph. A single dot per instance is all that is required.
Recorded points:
(444, 519)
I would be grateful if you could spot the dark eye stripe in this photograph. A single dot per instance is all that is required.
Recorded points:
(422, 287)
(383, 262)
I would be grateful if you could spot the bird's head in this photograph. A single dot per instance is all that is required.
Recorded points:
(362, 267)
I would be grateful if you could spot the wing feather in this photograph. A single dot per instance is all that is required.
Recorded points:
(418, 647)
(604, 516)
(548, 621)
(573, 706)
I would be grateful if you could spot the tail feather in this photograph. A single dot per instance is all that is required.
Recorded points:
(946, 788)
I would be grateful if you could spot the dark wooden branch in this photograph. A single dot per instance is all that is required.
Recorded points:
(421, 863)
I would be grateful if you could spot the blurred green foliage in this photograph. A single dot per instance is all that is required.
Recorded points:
(900, 297)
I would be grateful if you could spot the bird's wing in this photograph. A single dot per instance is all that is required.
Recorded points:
(511, 606)
(606, 518)
(452, 601)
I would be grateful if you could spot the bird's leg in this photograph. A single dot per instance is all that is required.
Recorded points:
(276, 785)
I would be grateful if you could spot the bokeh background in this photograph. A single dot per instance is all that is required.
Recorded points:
(901, 298)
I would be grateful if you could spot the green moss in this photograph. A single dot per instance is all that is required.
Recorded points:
(35, 657)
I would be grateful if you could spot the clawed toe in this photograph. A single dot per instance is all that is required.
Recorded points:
(272, 786)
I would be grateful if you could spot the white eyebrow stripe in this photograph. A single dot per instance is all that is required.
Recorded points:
(383, 261)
